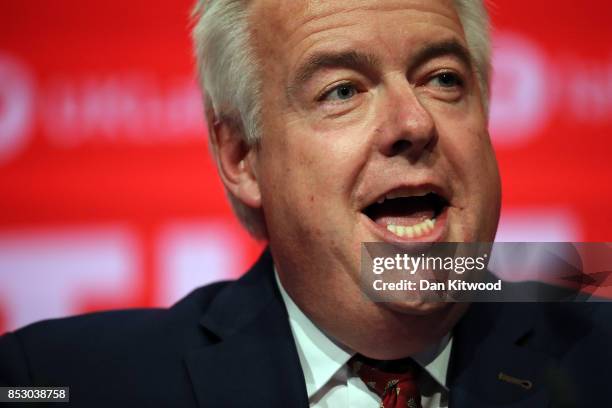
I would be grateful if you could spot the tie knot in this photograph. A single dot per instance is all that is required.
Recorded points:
(394, 381)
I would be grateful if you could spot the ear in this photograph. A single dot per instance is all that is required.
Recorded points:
(236, 162)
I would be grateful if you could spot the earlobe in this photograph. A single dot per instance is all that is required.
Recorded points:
(236, 162)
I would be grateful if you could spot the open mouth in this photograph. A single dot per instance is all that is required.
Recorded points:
(406, 214)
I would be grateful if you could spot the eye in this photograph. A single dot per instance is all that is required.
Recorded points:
(447, 80)
(341, 92)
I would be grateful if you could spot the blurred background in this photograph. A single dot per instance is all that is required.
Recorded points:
(108, 196)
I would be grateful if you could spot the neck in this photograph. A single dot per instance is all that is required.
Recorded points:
(383, 331)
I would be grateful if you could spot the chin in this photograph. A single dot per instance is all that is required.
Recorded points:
(418, 308)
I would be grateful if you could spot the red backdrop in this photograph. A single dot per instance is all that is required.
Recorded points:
(108, 197)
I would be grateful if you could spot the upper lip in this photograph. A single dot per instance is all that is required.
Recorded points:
(407, 190)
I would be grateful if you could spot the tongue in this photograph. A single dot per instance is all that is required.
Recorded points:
(402, 211)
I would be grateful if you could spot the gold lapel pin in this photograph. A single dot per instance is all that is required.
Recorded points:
(525, 384)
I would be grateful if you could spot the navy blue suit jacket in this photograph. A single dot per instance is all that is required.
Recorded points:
(229, 344)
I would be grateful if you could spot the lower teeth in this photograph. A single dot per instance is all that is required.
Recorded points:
(413, 231)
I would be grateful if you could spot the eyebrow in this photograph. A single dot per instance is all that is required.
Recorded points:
(322, 60)
(439, 49)
(367, 62)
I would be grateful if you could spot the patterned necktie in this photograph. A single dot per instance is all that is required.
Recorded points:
(393, 381)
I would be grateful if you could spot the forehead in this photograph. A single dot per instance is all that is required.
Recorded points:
(278, 23)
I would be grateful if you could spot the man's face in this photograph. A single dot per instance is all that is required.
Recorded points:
(367, 100)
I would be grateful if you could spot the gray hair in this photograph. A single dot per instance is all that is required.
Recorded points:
(231, 84)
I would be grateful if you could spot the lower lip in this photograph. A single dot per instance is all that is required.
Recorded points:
(438, 234)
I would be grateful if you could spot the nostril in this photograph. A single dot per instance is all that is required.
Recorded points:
(400, 146)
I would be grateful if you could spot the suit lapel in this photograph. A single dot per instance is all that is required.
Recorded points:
(497, 345)
(491, 360)
(255, 361)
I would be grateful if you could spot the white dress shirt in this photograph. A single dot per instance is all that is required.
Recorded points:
(331, 383)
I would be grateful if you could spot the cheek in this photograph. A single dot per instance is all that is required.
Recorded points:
(483, 167)
(328, 156)
(467, 151)
(292, 180)
(464, 142)
(475, 180)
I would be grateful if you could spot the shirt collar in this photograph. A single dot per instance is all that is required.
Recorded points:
(321, 357)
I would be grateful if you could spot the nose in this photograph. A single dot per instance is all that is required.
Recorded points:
(410, 129)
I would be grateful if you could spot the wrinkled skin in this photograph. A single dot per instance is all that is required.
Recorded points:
(337, 136)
